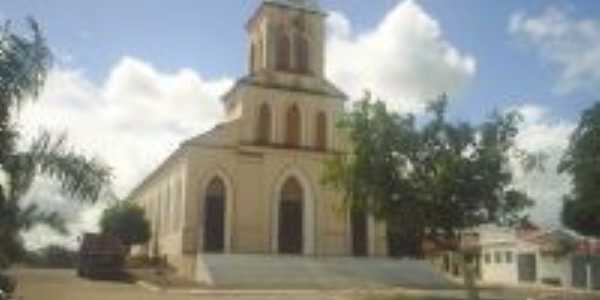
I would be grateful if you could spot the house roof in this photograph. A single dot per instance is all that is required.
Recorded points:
(588, 247)
(208, 138)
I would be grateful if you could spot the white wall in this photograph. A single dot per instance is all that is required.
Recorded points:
(499, 272)
(552, 267)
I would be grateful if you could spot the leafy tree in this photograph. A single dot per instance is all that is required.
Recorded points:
(581, 210)
(454, 175)
(24, 62)
(437, 178)
(126, 221)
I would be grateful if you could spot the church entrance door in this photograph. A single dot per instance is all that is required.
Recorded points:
(291, 218)
(214, 227)
(359, 233)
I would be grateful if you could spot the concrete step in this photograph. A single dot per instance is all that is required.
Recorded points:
(265, 271)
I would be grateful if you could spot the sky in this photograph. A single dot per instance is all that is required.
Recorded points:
(132, 79)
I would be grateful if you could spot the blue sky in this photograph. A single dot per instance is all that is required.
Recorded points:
(209, 37)
(134, 78)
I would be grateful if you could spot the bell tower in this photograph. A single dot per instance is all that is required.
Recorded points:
(287, 38)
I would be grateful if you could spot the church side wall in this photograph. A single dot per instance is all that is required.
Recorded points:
(163, 200)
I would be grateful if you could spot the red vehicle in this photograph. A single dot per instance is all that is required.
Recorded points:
(100, 255)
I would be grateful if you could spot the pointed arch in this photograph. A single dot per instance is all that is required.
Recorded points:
(294, 127)
(283, 51)
(291, 237)
(216, 202)
(265, 124)
(214, 216)
(321, 131)
(302, 53)
(294, 185)
(253, 52)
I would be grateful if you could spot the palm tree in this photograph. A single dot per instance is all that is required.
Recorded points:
(24, 65)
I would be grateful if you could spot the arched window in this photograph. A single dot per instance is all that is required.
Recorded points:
(321, 132)
(283, 52)
(292, 190)
(291, 218)
(264, 125)
(253, 52)
(302, 54)
(214, 216)
(259, 55)
(293, 127)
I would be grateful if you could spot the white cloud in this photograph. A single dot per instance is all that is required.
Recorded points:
(571, 44)
(79, 217)
(540, 135)
(404, 59)
(132, 122)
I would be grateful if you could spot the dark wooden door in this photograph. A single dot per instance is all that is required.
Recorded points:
(290, 227)
(527, 268)
(359, 234)
(214, 230)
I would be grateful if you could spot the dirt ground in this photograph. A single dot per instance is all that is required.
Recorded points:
(65, 285)
(37, 284)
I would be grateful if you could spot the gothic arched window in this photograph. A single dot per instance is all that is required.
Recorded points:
(321, 132)
(291, 218)
(283, 52)
(293, 127)
(214, 216)
(302, 54)
(264, 124)
(252, 58)
(292, 191)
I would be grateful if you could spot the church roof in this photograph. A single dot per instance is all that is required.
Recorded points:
(309, 5)
(324, 88)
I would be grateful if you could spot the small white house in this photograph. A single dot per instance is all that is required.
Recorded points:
(508, 257)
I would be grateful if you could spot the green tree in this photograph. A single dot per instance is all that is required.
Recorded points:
(126, 221)
(454, 175)
(581, 210)
(438, 178)
(24, 63)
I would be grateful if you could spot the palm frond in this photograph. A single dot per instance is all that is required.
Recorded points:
(24, 63)
(80, 177)
(31, 216)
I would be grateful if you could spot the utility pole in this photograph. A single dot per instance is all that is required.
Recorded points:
(588, 266)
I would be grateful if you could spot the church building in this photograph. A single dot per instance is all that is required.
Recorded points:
(252, 185)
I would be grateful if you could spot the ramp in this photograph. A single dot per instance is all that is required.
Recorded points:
(291, 272)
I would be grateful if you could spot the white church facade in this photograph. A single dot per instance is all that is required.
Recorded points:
(252, 185)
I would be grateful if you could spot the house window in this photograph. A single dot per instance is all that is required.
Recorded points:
(321, 134)
(293, 127)
(488, 258)
(264, 125)
(283, 52)
(498, 257)
(509, 257)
